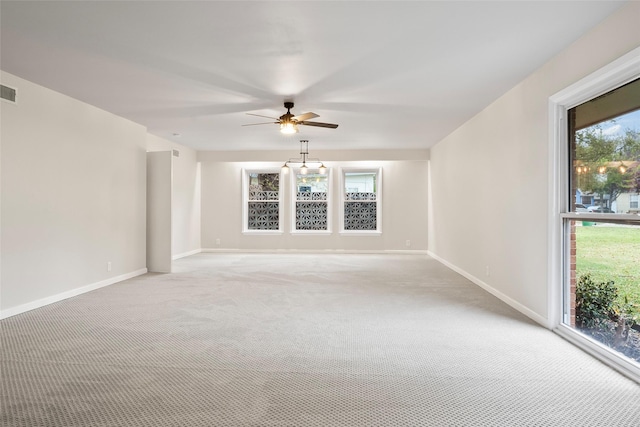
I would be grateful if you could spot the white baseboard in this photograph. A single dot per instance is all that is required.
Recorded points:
(68, 294)
(186, 254)
(216, 250)
(407, 252)
(504, 298)
(313, 251)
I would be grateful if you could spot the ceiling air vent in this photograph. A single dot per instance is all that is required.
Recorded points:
(176, 153)
(7, 93)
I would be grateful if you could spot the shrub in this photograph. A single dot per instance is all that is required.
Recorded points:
(601, 314)
(595, 303)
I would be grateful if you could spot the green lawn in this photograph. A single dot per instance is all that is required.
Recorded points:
(611, 253)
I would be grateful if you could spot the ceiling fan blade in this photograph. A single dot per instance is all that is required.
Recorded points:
(260, 115)
(265, 123)
(305, 116)
(318, 124)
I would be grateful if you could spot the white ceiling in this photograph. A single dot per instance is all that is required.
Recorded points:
(392, 74)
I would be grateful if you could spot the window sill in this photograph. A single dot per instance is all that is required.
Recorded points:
(361, 233)
(601, 352)
(263, 232)
(311, 232)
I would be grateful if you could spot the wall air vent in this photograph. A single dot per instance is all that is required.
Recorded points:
(7, 93)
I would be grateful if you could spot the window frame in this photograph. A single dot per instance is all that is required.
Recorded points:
(245, 201)
(614, 75)
(294, 204)
(343, 201)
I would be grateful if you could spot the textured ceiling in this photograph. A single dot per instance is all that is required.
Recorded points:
(392, 74)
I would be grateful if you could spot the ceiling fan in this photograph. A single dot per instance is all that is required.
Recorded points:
(289, 123)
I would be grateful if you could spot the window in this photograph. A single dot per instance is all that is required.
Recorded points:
(599, 273)
(262, 201)
(311, 209)
(360, 191)
(633, 201)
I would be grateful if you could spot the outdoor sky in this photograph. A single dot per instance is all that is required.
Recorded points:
(626, 121)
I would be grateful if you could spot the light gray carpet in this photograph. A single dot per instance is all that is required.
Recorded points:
(300, 340)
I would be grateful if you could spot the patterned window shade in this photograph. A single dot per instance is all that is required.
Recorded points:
(361, 201)
(264, 201)
(312, 202)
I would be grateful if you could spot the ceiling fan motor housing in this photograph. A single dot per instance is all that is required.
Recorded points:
(287, 117)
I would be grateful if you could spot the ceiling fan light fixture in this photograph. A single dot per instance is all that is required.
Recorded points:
(288, 128)
(289, 122)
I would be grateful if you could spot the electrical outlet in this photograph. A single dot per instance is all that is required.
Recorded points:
(408, 243)
(108, 265)
(217, 241)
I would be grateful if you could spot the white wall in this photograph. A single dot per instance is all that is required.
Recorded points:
(73, 196)
(404, 201)
(498, 165)
(159, 211)
(185, 206)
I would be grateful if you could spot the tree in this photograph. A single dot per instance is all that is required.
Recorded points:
(609, 164)
(269, 181)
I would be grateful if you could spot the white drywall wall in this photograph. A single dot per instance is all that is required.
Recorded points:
(496, 167)
(73, 196)
(159, 211)
(185, 207)
(404, 202)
